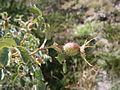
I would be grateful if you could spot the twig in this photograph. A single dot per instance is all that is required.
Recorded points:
(39, 49)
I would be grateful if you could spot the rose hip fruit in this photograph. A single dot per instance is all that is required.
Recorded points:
(71, 48)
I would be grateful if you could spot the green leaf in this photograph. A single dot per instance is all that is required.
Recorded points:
(42, 87)
(7, 42)
(26, 80)
(36, 10)
(14, 77)
(4, 56)
(60, 58)
(1, 74)
(39, 76)
(24, 54)
(64, 67)
(47, 58)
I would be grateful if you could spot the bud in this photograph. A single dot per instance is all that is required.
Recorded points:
(71, 48)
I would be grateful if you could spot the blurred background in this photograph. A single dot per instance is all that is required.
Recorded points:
(76, 20)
